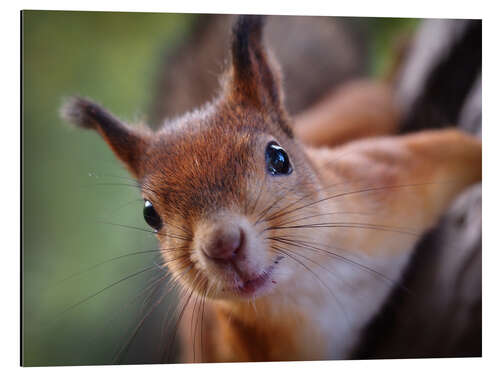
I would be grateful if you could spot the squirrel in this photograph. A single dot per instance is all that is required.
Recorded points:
(289, 234)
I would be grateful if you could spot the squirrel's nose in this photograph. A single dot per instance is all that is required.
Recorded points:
(223, 242)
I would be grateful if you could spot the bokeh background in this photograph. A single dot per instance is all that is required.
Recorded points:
(75, 192)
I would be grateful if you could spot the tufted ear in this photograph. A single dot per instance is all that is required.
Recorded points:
(255, 77)
(128, 144)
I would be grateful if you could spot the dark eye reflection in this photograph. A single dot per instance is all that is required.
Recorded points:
(277, 160)
(151, 216)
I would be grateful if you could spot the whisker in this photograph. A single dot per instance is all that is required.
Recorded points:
(264, 212)
(202, 325)
(294, 220)
(174, 284)
(311, 246)
(193, 333)
(258, 197)
(338, 195)
(112, 184)
(309, 259)
(109, 260)
(176, 327)
(122, 206)
(124, 348)
(353, 225)
(145, 230)
(287, 253)
(201, 307)
(103, 290)
(187, 231)
(303, 197)
(107, 175)
(168, 289)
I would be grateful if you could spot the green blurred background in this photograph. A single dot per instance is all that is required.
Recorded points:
(73, 186)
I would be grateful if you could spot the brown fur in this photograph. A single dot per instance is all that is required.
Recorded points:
(209, 165)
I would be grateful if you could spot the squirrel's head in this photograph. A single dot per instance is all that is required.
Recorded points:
(221, 182)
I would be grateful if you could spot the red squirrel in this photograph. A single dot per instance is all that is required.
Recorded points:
(288, 233)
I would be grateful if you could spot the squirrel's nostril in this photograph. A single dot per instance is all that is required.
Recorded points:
(224, 243)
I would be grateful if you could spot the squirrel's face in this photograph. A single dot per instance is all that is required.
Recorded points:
(219, 184)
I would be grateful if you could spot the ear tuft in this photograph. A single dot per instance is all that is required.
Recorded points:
(247, 36)
(84, 113)
(255, 77)
(75, 111)
(128, 144)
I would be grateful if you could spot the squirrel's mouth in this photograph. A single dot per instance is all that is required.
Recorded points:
(258, 285)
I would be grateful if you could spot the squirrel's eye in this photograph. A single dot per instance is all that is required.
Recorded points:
(151, 216)
(277, 160)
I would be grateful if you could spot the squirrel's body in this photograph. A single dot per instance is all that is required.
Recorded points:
(284, 251)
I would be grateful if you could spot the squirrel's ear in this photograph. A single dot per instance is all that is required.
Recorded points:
(255, 76)
(127, 144)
